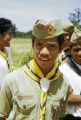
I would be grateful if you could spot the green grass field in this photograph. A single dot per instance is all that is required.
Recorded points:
(21, 51)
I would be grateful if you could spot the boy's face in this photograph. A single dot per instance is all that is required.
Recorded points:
(5, 39)
(66, 40)
(46, 52)
(76, 52)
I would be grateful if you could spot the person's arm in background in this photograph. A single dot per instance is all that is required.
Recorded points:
(3, 69)
(74, 99)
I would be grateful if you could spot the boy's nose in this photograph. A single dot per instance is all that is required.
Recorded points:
(44, 51)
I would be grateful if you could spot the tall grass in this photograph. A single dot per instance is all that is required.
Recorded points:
(21, 51)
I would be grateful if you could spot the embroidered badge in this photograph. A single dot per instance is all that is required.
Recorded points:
(50, 29)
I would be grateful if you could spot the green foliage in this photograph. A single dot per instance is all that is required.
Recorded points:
(75, 18)
(21, 51)
(14, 30)
(29, 33)
(18, 34)
(25, 59)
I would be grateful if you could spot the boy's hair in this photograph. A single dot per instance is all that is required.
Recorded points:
(5, 25)
(60, 39)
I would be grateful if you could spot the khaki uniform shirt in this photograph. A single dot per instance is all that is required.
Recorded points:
(21, 98)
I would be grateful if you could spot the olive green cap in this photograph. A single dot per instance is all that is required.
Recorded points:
(68, 27)
(75, 37)
(47, 28)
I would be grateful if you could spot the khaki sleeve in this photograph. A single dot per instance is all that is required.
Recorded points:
(5, 100)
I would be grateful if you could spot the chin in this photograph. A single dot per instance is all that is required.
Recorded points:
(8, 45)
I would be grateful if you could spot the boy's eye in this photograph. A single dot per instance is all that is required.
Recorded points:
(76, 50)
(39, 45)
(52, 46)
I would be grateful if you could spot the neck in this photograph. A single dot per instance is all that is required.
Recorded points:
(45, 71)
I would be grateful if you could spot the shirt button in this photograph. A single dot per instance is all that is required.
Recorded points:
(50, 94)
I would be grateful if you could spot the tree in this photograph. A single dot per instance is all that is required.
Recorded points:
(14, 30)
(29, 33)
(75, 17)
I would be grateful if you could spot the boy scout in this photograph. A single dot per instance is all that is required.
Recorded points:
(5, 37)
(37, 91)
(72, 70)
(68, 30)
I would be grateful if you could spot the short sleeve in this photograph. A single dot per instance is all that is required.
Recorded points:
(3, 69)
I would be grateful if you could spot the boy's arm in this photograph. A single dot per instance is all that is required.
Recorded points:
(5, 100)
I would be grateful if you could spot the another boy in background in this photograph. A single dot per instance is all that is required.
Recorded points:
(72, 70)
(5, 55)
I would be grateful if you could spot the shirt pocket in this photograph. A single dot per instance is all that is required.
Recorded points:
(55, 110)
(26, 105)
(23, 107)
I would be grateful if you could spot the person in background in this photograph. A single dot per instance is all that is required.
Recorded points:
(37, 91)
(72, 70)
(69, 28)
(5, 55)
